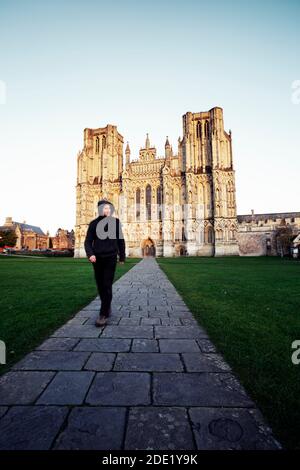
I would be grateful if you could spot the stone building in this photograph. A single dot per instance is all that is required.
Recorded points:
(257, 232)
(173, 204)
(29, 237)
(63, 240)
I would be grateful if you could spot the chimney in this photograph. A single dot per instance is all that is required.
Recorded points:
(8, 221)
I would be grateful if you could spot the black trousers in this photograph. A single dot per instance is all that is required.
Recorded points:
(104, 269)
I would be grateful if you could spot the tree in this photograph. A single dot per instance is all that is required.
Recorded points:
(284, 237)
(8, 238)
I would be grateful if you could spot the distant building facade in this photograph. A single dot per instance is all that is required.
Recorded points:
(29, 237)
(32, 237)
(63, 240)
(257, 233)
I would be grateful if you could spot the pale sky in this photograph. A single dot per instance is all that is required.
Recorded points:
(67, 65)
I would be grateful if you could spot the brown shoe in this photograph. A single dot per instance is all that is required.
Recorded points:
(101, 321)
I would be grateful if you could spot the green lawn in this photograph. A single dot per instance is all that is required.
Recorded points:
(40, 294)
(251, 309)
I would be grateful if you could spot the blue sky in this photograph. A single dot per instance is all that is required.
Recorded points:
(141, 65)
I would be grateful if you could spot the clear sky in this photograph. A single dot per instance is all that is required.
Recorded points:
(69, 64)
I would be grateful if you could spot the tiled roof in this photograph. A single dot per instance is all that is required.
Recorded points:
(32, 228)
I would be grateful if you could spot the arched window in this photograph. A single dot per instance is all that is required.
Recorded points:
(97, 144)
(219, 234)
(199, 130)
(159, 202)
(148, 202)
(206, 129)
(210, 235)
(104, 142)
(137, 204)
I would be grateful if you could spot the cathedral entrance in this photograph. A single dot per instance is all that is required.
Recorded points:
(148, 247)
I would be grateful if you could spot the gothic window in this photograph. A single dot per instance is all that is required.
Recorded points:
(148, 202)
(97, 144)
(159, 202)
(210, 235)
(206, 129)
(104, 142)
(199, 130)
(219, 234)
(137, 204)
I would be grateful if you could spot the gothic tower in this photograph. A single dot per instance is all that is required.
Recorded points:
(210, 184)
(99, 175)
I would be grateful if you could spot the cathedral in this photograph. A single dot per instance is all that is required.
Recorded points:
(175, 204)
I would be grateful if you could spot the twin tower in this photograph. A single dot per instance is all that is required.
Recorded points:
(177, 204)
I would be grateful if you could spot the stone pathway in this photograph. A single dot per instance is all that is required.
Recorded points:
(151, 379)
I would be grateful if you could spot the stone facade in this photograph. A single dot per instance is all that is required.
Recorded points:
(32, 237)
(29, 237)
(257, 232)
(169, 205)
(63, 240)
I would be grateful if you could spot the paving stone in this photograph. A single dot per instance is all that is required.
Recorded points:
(127, 331)
(230, 428)
(120, 388)
(156, 314)
(67, 388)
(77, 331)
(151, 321)
(179, 314)
(93, 428)
(52, 360)
(76, 321)
(58, 344)
(166, 321)
(158, 428)
(91, 308)
(22, 387)
(112, 320)
(178, 345)
(86, 314)
(130, 321)
(3, 410)
(100, 361)
(144, 345)
(148, 362)
(189, 322)
(180, 307)
(31, 427)
(198, 389)
(179, 332)
(199, 362)
(206, 346)
(139, 314)
(104, 345)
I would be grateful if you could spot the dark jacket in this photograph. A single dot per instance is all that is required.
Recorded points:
(99, 242)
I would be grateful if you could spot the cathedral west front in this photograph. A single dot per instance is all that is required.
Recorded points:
(179, 203)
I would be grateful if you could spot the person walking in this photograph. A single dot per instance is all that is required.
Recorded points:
(103, 243)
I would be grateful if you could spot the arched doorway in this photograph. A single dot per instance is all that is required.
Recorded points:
(148, 247)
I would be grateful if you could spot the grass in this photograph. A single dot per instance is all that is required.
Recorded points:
(40, 294)
(250, 307)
